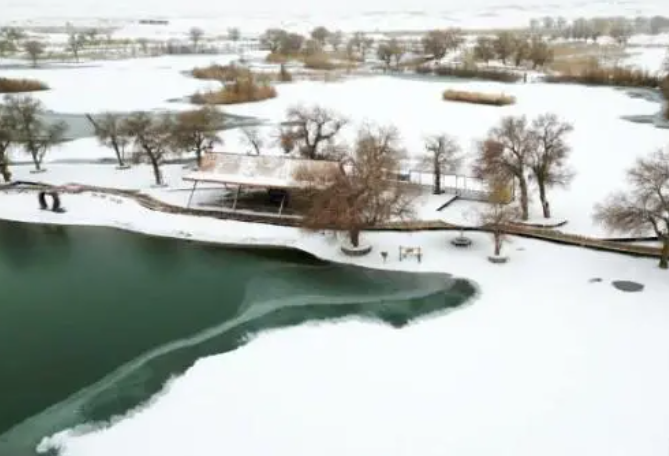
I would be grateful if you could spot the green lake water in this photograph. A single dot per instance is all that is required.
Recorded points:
(93, 321)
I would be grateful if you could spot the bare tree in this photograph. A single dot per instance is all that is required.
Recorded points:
(397, 50)
(505, 43)
(151, 137)
(34, 49)
(291, 43)
(442, 156)
(521, 50)
(362, 193)
(335, 39)
(313, 130)
(195, 35)
(76, 41)
(547, 161)
(320, 34)
(385, 53)
(484, 49)
(438, 43)
(540, 53)
(110, 133)
(34, 135)
(645, 206)
(621, 31)
(272, 39)
(254, 140)
(197, 131)
(505, 155)
(365, 45)
(7, 139)
(234, 34)
(498, 214)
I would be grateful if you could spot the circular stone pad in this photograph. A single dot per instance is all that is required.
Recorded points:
(626, 285)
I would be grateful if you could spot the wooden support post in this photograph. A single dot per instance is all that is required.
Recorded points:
(234, 205)
(191, 194)
(283, 200)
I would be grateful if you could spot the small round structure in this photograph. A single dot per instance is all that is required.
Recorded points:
(494, 259)
(627, 286)
(461, 241)
(351, 251)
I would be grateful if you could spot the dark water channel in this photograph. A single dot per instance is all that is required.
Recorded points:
(93, 321)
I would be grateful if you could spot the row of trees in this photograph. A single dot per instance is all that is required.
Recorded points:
(13, 39)
(516, 47)
(618, 28)
(504, 46)
(148, 137)
(363, 192)
(517, 151)
(154, 138)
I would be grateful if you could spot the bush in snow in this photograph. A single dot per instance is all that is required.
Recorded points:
(595, 74)
(494, 99)
(8, 85)
(477, 73)
(244, 89)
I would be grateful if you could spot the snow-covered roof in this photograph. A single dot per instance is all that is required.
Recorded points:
(255, 170)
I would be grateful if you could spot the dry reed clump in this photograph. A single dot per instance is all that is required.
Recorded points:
(8, 85)
(595, 74)
(221, 73)
(492, 99)
(319, 61)
(242, 90)
(474, 73)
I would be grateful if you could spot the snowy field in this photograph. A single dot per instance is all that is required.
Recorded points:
(543, 361)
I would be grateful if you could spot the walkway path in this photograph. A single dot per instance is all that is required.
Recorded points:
(543, 234)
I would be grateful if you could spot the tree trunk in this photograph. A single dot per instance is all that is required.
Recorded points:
(354, 234)
(119, 157)
(36, 160)
(664, 254)
(4, 170)
(524, 202)
(156, 169)
(544, 201)
(198, 157)
(497, 236)
(437, 179)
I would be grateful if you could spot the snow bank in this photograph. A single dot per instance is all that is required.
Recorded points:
(543, 362)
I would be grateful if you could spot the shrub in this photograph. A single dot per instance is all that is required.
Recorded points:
(21, 85)
(242, 90)
(595, 74)
(493, 99)
(277, 57)
(221, 73)
(478, 73)
(424, 69)
(319, 61)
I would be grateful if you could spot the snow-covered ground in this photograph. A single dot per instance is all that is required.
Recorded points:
(542, 362)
